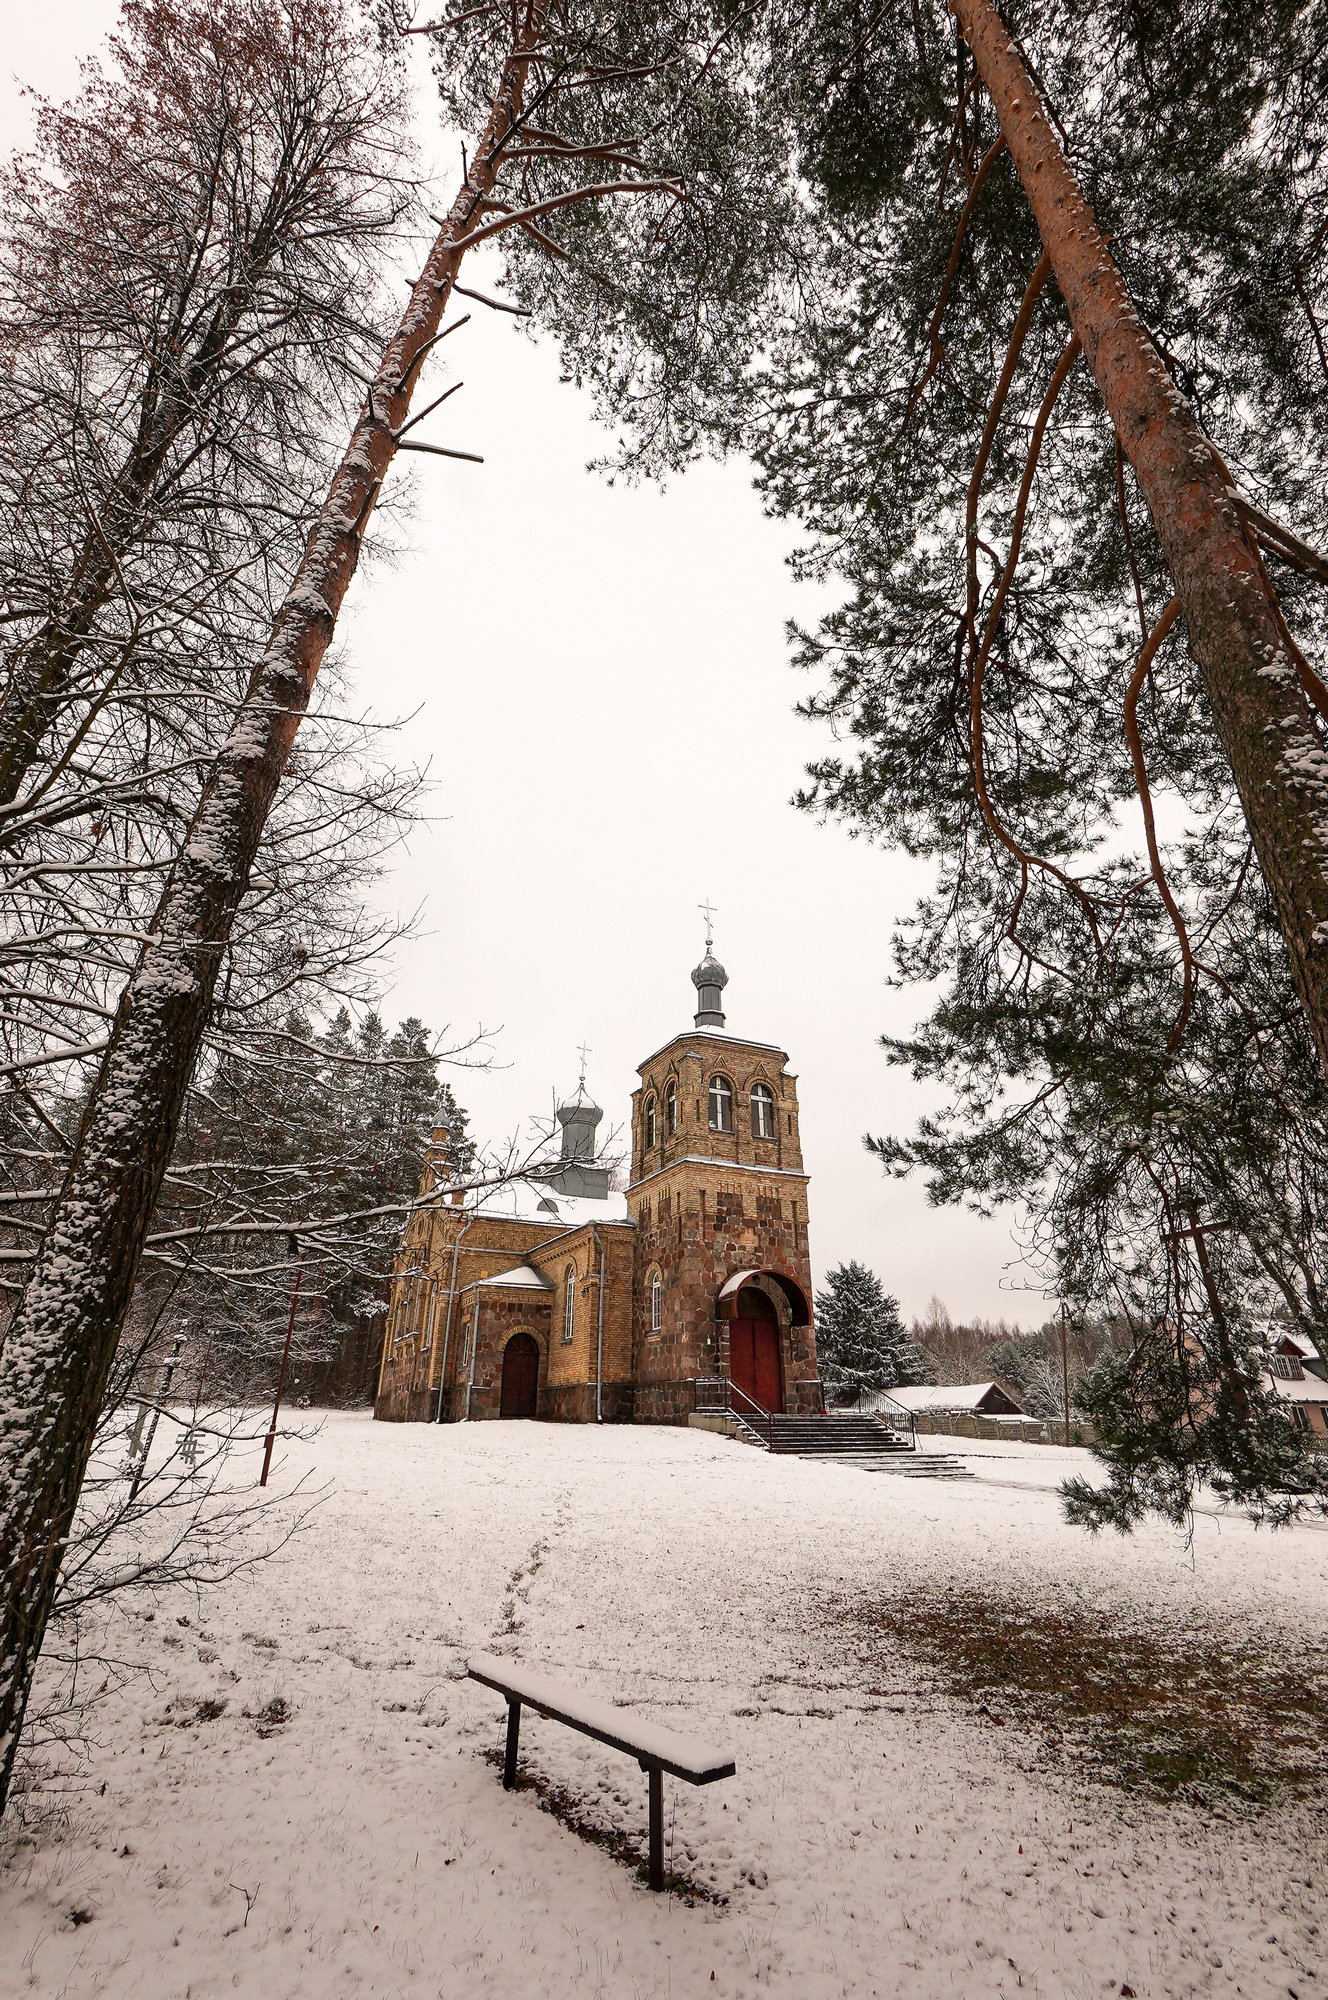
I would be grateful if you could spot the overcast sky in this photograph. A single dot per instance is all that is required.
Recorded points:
(598, 680)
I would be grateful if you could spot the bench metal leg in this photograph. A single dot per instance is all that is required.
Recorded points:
(656, 1827)
(513, 1732)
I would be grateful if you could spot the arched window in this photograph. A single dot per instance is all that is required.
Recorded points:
(569, 1301)
(650, 1121)
(763, 1112)
(656, 1301)
(671, 1108)
(721, 1104)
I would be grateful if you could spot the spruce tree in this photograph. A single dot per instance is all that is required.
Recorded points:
(860, 1337)
(459, 1148)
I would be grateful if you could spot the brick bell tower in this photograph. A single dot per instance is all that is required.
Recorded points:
(722, 1276)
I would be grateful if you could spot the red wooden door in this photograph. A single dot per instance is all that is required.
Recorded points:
(742, 1357)
(769, 1389)
(754, 1361)
(520, 1377)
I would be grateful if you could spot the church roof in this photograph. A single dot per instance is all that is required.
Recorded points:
(521, 1278)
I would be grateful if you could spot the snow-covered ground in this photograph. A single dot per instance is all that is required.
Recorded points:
(880, 1838)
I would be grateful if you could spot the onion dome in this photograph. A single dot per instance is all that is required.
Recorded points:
(710, 979)
(578, 1117)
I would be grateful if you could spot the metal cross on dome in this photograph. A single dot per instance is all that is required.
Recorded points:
(583, 1052)
(709, 914)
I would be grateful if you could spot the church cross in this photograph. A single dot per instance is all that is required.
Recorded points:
(709, 914)
(584, 1051)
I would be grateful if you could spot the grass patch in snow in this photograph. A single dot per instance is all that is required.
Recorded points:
(1172, 1713)
(578, 1818)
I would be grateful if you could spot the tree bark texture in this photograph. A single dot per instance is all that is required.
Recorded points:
(58, 1353)
(1236, 634)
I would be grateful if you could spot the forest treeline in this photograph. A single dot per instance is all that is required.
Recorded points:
(1019, 315)
(1034, 1361)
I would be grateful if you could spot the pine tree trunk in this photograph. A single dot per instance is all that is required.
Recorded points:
(1236, 637)
(58, 1353)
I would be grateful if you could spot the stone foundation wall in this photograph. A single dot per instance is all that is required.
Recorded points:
(662, 1403)
(569, 1403)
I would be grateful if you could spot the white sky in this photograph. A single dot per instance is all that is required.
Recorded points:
(599, 682)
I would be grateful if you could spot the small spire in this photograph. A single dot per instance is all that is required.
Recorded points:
(577, 1172)
(709, 977)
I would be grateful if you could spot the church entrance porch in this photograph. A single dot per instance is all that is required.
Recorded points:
(520, 1391)
(754, 1351)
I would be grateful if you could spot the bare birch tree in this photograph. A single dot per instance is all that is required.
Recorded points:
(524, 173)
(190, 287)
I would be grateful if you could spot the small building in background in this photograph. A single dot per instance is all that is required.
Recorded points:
(960, 1399)
(1296, 1375)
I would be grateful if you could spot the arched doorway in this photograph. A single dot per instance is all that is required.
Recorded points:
(520, 1377)
(754, 1350)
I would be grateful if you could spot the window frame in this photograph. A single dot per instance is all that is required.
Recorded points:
(656, 1300)
(651, 1123)
(569, 1305)
(763, 1096)
(720, 1092)
(671, 1109)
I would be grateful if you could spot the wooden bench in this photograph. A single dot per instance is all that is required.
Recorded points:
(656, 1750)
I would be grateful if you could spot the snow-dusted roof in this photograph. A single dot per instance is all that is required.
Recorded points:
(944, 1395)
(1310, 1388)
(535, 1201)
(522, 1278)
(1299, 1343)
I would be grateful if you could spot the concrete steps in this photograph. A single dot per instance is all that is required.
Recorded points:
(864, 1442)
(914, 1465)
(838, 1437)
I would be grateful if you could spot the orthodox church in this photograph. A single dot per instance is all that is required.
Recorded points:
(554, 1297)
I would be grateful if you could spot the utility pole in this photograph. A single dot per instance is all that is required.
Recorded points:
(294, 1243)
(1065, 1364)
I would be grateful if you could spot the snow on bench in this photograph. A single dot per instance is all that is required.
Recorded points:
(656, 1750)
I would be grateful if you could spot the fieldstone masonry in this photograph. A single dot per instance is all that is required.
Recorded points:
(707, 1204)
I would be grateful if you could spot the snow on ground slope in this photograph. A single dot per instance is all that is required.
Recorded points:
(877, 1840)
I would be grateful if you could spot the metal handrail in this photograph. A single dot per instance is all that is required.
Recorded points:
(717, 1392)
(882, 1404)
(727, 1389)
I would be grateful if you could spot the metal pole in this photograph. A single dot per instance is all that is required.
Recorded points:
(656, 1827)
(281, 1376)
(1065, 1365)
(513, 1733)
(599, 1349)
(447, 1329)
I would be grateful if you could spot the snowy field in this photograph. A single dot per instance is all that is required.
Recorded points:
(884, 1835)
